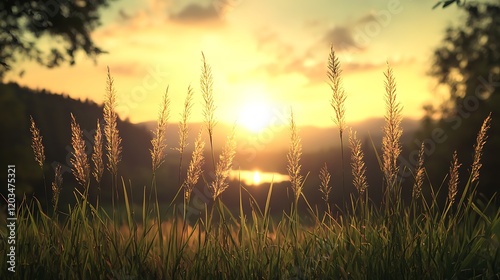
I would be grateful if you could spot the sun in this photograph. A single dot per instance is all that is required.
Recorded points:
(255, 116)
(256, 178)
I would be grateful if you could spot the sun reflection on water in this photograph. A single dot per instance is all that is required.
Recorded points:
(257, 177)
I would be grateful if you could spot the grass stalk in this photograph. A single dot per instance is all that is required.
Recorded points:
(97, 160)
(206, 84)
(157, 152)
(183, 128)
(338, 104)
(39, 152)
(113, 139)
(391, 146)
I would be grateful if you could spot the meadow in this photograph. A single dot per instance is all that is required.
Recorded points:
(419, 238)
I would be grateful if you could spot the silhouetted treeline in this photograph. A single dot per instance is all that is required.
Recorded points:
(51, 113)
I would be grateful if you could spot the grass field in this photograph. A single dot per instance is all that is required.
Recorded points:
(417, 239)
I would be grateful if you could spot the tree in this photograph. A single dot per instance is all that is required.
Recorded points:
(446, 3)
(469, 60)
(68, 24)
(468, 64)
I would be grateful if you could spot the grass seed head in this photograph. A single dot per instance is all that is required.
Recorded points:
(206, 83)
(158, 142)
(224, 166)
(113, 140)
(97, 154)
(79, 159)
(357, 163)
(324, 177)
(293, 158)
(195, 167)
(391, 145)
(419, 174)
(56, 185)
(453, 182)
(36, 143)
(338, 94)
(478, 148)
(183, 124)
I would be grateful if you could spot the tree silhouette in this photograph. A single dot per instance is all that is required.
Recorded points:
(469, 59)
(65, 23)
(468, 64)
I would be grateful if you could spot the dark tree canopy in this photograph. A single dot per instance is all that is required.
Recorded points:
(446, 3)
(66, 24)
(469, 59)
(468, 64)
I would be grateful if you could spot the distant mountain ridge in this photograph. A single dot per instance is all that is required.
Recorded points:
(276, 139)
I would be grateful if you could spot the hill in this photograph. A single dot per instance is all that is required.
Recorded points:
(314, 138)
(51, 113)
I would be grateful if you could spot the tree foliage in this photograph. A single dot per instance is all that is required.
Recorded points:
(49, 32)
(467, 64)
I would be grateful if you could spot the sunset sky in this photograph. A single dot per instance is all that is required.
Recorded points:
(266, 56)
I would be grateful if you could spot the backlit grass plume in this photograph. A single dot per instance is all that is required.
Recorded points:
(38, 151)
(195, 167)
(113, 140)
(293, 158)
(325, 187)
(97, 154)
(206, 84)
(79, 160)
(419, 174)
(357, 163)
(391, 146)
(338, 94)
(453, 181)
(338, 104)
(223, 167)
(183, 127)
(56, 186)
(478, 149)
(158, 142)
(36, 143)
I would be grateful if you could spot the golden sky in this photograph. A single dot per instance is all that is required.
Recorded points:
(266, 56)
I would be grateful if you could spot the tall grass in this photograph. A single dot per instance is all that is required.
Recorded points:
(38, 151)
(395, 240)
(337, 102)
(391, 143)
(79, 160)
(183, 128)
(206, 84)
(98, 164)
(113, 139)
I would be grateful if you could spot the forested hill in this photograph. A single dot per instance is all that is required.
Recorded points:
(51, 113)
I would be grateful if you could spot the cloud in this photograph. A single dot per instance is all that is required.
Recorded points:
(311, 63)
(341, 38)
(367, 18)
(350, 35)
(196, 13)
(129, 69)
(314, 70)
(123, 16)
(270, 42)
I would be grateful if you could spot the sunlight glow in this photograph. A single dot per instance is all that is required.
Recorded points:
(255, 116)
(256, 177)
